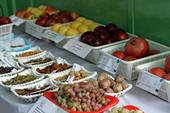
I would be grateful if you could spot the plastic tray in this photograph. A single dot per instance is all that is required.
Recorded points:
(131, 107)
(34, 29)
(114, 101)
(127, 68)
(6, 29)
(164, 91)
(94, 55)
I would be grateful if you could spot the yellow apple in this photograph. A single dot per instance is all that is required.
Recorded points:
(63, 29)
(42, 7)
(80, 19)
(75, 24)
(93, 26)
(72, 32)
(29, 9)
(83, 28)
(88, 22)
(56, 27)
(36, 12)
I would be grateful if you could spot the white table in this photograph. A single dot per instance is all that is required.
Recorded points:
(146, 101)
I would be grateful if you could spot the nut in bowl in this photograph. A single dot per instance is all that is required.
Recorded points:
(112, 86)
(23, 78)
(32, 92)
(71, 76)
(58, 66)
(30, 53)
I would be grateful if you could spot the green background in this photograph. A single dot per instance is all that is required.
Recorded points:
(146, 18)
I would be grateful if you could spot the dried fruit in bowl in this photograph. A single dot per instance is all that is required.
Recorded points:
(29, 53)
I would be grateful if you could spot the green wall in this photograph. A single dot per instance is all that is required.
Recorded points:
(149, 19)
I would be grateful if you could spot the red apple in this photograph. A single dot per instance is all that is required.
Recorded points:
(137, 47)
(153, 52)
(111, 28)
(99, 30)
(50, 10)
(88, 37)
(99, 42)
(121, 34)
(167, 64)
(167, 76)
(41, 22)
(119, 54)
(5, 20)
(74, 15)
(129, 58)
(28, 15)
(157, 71)
(20, 14)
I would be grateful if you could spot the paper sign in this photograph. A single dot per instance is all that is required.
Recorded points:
(51, 35)
(34, 30)
(149, 82)
(43, 105)
(16, 20)
(78, 48)
(108, 63)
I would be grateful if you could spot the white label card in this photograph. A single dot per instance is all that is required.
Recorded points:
(51, 35)
(108, 63)
(34, 30)
(149, 82)
(16, 20)
(78, 48)
(43, 105)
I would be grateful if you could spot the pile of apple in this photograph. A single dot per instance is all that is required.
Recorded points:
(80, 25)
(47, 20)
(5, 20)
(162, 72)
(33, 13)
(104, 35)
(135, 48)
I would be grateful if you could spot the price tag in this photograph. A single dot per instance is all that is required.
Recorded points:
(108, 63)
(34, 30)
(43, 105)
(78, 48)
(51, 35)
(149, 82)
(16, 20)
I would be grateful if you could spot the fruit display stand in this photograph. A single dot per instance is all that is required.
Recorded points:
(147, 79)
(127, 67)
(136, 96)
